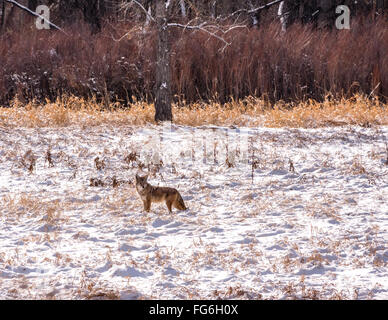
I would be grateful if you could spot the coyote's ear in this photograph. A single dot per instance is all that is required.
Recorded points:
(145, 177)
(137, 177)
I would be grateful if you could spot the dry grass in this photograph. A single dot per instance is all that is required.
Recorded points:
(358, 110)
(91, 290)
(22, 204)
(251, 111)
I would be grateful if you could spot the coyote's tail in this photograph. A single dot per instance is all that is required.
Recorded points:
(180, 205)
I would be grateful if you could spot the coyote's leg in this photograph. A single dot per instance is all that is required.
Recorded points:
(147, 205)
(169, 204)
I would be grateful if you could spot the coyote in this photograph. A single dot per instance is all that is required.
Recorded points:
(151, 194)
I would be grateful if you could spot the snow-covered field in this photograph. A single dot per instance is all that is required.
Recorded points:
(273, 213)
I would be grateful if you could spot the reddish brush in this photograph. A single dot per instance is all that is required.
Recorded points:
(299, 64)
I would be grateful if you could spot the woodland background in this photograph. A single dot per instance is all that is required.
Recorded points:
(109, 51)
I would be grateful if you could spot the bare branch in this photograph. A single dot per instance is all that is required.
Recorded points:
(183, 8)
(199, 27)
(149, 16)
(255, 10)
(35, 14)
(266, 6)
(126, 35)
(206, 28)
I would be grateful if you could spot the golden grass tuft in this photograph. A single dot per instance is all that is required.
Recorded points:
(251, 111)
(359, 110)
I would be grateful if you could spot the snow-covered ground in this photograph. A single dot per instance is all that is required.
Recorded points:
(273, 213)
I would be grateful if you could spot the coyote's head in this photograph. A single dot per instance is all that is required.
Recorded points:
(141, 181)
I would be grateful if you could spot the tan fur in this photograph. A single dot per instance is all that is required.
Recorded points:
(149, 194)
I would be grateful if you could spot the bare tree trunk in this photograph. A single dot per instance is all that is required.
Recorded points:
(213, 8)
(149, 14)
(163, 72)
(382, 5)
(283, 16)
(320, 12)
(288, 12)
(327, 15)
(93, 12)
(32, 5)
(183, 8)
(2, 14)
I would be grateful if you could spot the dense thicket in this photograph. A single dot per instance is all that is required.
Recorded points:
(65, 12)
(112, 55)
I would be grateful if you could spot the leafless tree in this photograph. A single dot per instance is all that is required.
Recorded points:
(212, 27)
(163, 74)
